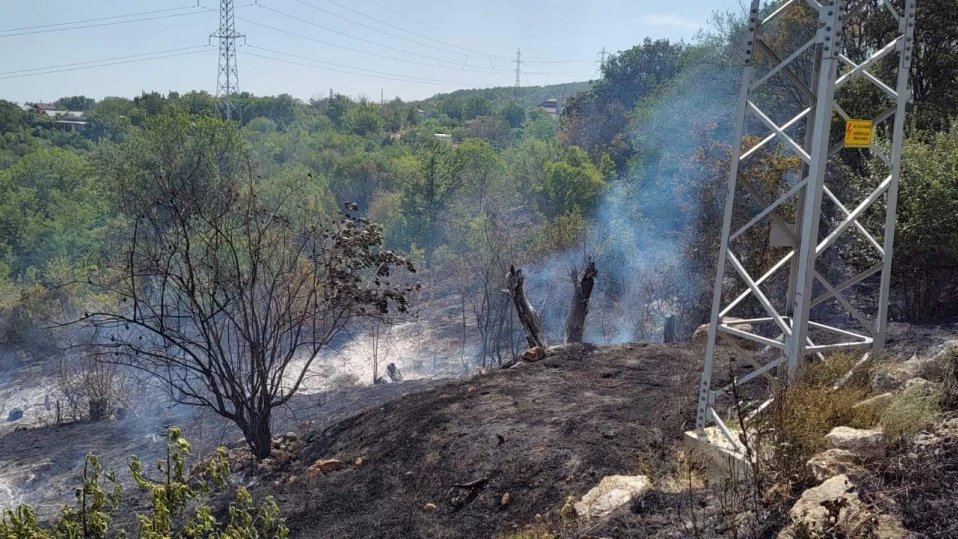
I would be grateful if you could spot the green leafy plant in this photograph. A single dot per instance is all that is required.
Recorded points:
(99, 496)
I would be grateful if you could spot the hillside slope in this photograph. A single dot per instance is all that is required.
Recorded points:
(527, 96)
(539, 433)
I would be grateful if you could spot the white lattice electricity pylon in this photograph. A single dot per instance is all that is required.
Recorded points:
(813, 74)
(227, 74)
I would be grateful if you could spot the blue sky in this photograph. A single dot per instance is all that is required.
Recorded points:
(407, 48)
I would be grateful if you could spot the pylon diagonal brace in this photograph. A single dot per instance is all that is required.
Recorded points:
(795, 147)
(872, 78)
(860, 68)
(861, 228)
(771, 137)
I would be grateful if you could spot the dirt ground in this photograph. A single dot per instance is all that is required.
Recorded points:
(539, 433)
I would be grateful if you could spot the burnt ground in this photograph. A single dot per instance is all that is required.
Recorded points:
(539, 433)
(41, 466)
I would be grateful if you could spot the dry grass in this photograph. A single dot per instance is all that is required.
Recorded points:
(803, 414)
(912, 410)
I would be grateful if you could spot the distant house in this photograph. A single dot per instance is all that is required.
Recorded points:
(550, 106)
(47, 109)
(443, 136)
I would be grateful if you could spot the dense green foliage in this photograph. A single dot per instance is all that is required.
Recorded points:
(633, 172)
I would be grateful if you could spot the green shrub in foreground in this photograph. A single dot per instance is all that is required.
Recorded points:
(99, 497)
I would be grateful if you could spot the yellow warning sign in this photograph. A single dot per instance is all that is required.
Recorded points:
(858, 133)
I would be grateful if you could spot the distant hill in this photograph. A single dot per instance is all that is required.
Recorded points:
(527, 97)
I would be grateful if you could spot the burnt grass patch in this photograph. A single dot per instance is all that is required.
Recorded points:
(539, 432)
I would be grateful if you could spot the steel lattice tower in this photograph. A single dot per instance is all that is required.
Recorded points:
(227, 75)
(815, 70)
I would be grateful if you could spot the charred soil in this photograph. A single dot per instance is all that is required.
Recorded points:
(439, 463)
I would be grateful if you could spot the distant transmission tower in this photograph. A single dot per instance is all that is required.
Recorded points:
(774, 304)
(227, 75)
(601, 54)
(518, 67)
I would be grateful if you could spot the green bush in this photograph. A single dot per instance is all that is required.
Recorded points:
(99, 496)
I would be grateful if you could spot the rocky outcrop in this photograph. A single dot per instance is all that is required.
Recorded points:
(876, 404)
(829, 509)
(831, 463)
(612, 492)
(701, 335)
(865, 442)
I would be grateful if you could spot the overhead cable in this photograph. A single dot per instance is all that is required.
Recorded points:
(49, 71)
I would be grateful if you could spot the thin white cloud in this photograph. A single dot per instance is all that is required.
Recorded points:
(554, 2)
(662, 19)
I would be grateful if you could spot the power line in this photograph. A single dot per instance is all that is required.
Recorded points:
(384, 76)
(373, 28)
(33, 32)
(344, 34)
(451, 67)
(105, 60)
(98, 19)
(102, 65)
(417, 34)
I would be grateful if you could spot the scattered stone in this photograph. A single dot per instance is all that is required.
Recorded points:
(328, 465)
(889, 527)
(533, 354)
(831, 463)
(865, 442)
(358, 461)
(505, 499)
(15, 415)
(429, 507)
(834, 502)
(920, 384)
(289, 437)
(891, 376)
(568, 510)
(701, 335)
(470, 389)
(612, 492)
(876, 404)
(393, 374)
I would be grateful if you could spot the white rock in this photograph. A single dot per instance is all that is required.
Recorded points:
(816, 506)
(831, 463)
(891, 376)
(862, 441)
(920, 384)
(889, 527)
(877, 403)
(612, 492)
(700, 336)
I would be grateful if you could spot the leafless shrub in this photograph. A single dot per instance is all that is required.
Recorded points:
(90, 388)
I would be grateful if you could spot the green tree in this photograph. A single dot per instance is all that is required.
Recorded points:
(572, 185)
(477, 106)
(364, 119)
(481, 167)
(513, 114)
(426, 196)
(49, 210)
(77, 102)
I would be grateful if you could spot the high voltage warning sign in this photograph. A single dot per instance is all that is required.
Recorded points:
(858, 133)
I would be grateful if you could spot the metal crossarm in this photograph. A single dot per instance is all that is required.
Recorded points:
(820, 69)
